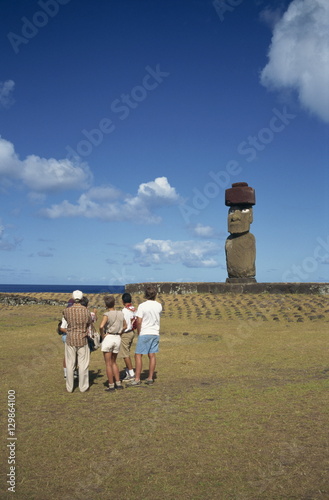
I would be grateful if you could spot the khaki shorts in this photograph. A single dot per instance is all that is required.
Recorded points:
(111, 343)
(126, 343)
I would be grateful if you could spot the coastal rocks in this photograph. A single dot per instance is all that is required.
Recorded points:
(22, 300)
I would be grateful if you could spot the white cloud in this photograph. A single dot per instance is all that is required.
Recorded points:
(37, 198)
(104, 193)
(150, 195)
(299, 55)
(41, 174)
(45, 253)
(9, 161)
(204, 231)
(271, 16)
(8, 242)
(157, 191)
(6, 89)
(109, 204)
(189, 253)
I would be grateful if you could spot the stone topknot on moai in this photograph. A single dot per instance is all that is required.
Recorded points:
(240, 247)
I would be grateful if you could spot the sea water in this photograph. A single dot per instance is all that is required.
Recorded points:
(62, 288)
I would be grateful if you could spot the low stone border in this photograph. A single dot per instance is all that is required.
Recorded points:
(188, 288)
(184, 288)
(23, 300)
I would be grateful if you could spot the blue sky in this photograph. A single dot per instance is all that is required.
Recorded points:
(122, 123)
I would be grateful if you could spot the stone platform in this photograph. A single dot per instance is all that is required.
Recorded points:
(196, 287)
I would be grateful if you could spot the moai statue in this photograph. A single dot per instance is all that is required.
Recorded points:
(240, 247)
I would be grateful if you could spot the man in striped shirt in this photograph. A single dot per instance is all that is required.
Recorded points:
(78, 320)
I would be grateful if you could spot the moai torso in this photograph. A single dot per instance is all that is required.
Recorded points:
(240, 252)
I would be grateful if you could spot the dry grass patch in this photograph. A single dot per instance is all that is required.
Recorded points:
(239, 409)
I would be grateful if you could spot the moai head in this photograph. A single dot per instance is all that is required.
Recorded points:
(239, 219)
(240, 198)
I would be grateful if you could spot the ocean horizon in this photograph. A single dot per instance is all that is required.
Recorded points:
(61, 288)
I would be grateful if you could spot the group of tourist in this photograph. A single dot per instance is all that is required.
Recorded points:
(117, 331)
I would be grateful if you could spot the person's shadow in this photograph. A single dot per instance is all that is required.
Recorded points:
(145, 373)
(94, 375)
(122, 373)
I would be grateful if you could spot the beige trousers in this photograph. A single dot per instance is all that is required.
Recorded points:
(83, 358)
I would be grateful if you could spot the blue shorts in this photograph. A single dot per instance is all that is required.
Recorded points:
(147, 344)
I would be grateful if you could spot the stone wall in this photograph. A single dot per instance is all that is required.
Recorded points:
(184, 288)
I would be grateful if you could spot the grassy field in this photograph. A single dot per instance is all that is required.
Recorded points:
(239, 409)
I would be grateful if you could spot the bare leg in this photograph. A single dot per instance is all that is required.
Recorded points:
(152, 365)
(128, 363)
(115, 369)
(108, 366)
(139, 365)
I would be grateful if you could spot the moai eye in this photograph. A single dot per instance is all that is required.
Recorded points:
(231, 211)
(245, 210)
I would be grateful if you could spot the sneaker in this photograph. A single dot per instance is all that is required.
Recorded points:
(134, 383)
(110, 389)
(149, 382)
(128, 378)
(119, 387)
